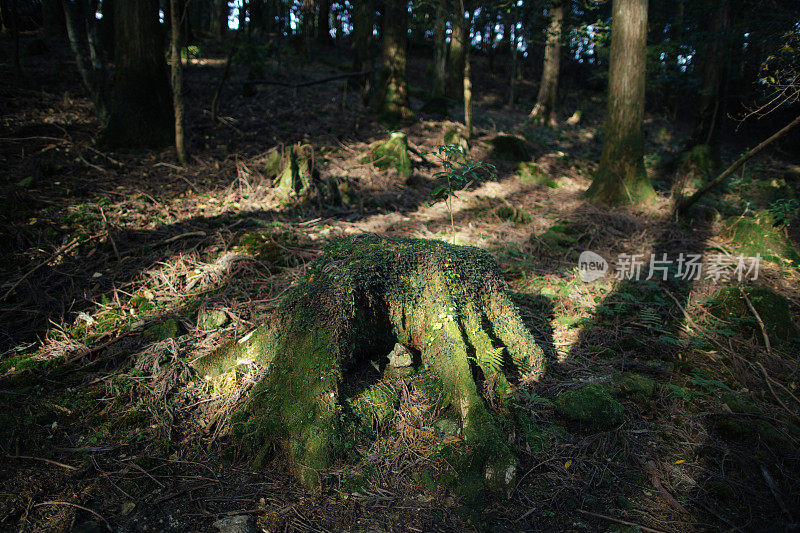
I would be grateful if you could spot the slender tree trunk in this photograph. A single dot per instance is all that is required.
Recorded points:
(91, 72)
(53, 22)
(219, 19)
(141, 113)
(243, 15)
(324, 23)
(621, 177)
(513, 43)
(468, 74)
(392, 103)
(177, 78)
(711, 101)
(309, 18)
(455, 59)
(545, 109)
(363, 14)
(11, 22)
(440, 48)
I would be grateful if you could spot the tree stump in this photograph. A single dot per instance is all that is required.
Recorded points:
(445, 303)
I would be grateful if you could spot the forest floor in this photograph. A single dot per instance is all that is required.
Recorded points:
(666, 405)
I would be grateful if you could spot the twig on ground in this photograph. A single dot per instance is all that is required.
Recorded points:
(49, 461)
(81, 507)
(618, 521)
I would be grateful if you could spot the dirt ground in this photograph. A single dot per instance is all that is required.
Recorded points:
(112, 261)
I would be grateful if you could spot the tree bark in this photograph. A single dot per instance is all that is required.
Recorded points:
(455, 56)
(468, 73)
(141, 113)
(177, 78)
(711, 101)
(91, 71)
(219, 19)
(324, 23)
(513, 43)
(392, 104)
(363, 19)
(544, 110)
(309, 20)
(440, 49)
(621, 177)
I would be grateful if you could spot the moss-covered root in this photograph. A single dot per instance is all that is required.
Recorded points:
(258, 347)
(390, 154)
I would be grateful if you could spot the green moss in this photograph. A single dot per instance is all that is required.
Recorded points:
(732, 426)
(757, 234)
(513, 214)
(532, 174)
(296, 172)
(376, 405)
(167, 329)
(510, 148)
(212, 319)
(636, 386)
(392, 153)
(592, 406)
(729, 305)
(454, 137)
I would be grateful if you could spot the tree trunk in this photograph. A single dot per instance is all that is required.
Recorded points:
(324, 23)
(514, 44)
(309, 20)
(392, 104)
(446, 307)
(53, 22)
(11, 22)
(468, 74)
(711, 101)
(545, 109)
(91, 70)
(440, 49)
(219, 19)
(621, 177)
(363, 18)
(141, 109)
(177, 78)
(455, 59)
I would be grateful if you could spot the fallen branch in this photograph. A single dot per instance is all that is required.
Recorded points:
(81, 507)
(48, 461)
(684, 204)
(618, 521)
(71, 244)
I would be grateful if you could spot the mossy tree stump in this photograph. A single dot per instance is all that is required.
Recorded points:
(446, 303)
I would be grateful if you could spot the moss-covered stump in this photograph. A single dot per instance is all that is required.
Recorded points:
(510, 148)
(392, 153)
(447, 304)
(454, 137)
(758, 234)
(532, 174)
